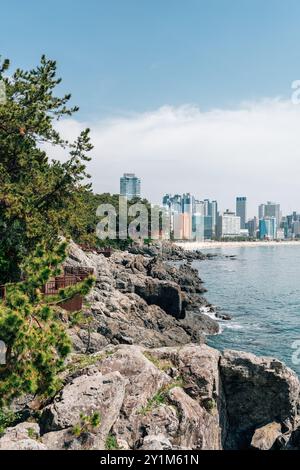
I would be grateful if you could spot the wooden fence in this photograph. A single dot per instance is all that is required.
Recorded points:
(72, 276)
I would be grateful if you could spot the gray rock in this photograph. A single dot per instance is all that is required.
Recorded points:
(165, 294)
(87, 394)
(265, 437)
(257, 391)
(24, 436)
(198, 429)
(156, 442)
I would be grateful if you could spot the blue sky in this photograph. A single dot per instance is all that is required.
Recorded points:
(135, 55)
(148, 75)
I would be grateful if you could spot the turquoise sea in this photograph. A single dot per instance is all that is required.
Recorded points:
(260, 289)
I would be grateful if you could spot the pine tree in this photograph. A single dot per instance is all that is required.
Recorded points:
(38, 195)
(31, 328)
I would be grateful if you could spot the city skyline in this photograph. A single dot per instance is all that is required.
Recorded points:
(181, 107)
(191, 218)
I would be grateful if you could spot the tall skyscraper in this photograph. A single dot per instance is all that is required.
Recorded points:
(214, 215)
(188, 203)
(261, 211)
(130, 185)
(198, 227)
(271, 209)
(199, 207)
(241, 210)
(211, 210)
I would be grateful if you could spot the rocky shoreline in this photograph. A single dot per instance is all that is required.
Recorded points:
(141, 361)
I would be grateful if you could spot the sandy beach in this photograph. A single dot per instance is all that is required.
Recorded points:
(232, 244)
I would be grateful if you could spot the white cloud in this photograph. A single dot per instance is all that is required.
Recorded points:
(252, 150)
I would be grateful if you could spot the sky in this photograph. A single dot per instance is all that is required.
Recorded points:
(192, 96)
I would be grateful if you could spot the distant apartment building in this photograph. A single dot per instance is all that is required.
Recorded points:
(252, 226)
(296, 229)
(241, 210)
(268, 228)
(271, 209)
(208, 227)
(210, 210)
(188, 204)
(229, 225)
(200, 217)
(198, 227)
(199, 207)
(130, 186)
(182, 226)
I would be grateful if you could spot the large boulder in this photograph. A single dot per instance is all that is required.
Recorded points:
(144, 380)
(265, 437)
(24, 436)
(198, 429)
(258, 391)
(86, 395)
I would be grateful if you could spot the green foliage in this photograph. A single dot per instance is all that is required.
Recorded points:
(7, 418)
(88, 423)
(80, 361)
(32, 434)
(209, 404)
(85, 231)
(111, 443)
(37, 193)
(30, 326)
(161, 364)
(161, 397)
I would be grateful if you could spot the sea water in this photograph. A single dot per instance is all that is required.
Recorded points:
(260, 290)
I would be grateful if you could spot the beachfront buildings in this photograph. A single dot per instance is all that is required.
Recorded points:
(229, 225)
(191, 219)
(268, 228)
(271, 209)
(130, 186)
(241, 210)
(252, 226)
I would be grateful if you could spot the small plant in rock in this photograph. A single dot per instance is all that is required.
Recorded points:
(161, 397)
(161, 364)
(32, 434)
(80, 361)
(209, 404)
(111, 443)
(7, 418)
(88, 423)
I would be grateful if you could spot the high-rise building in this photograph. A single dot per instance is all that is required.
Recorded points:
(208, 227)
(241, 210)
(211, 210)
(296, 229)
(252, 226)
(229, 225)
(271, 209)
(188, 203)
(200, 217)
(198, 227)
(268, 228)
(261, 211)
(199, 207)
(214, 215)
(130, 185)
